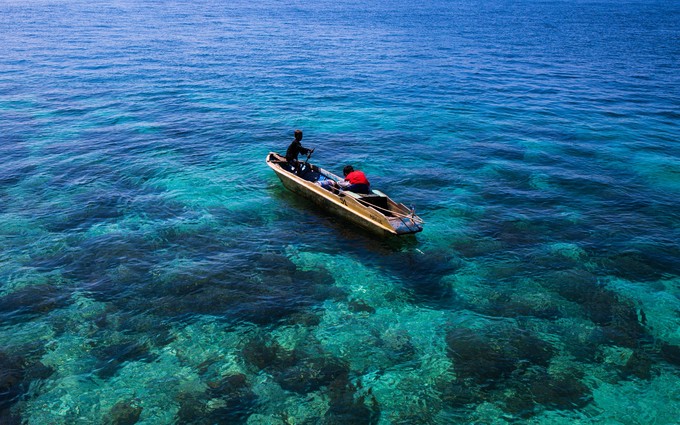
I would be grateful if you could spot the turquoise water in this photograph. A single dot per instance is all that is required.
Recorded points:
(154, 270)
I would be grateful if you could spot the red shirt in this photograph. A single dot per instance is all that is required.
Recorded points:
(357, 177)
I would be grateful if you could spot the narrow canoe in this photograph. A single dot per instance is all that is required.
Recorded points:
(375, 212)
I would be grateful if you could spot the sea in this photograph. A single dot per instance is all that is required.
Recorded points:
(154, 270)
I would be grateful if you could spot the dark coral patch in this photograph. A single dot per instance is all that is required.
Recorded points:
(637, 266)
(671, 353)
(345, 407)
(422, 275)
(487, 359)
(266, 354)
(16, 375)
(123, 413)
(639, 364)
(475, 358)
(11, 377)
(228, 400)
(535, 389)
(459, 395)
(311, 374)
(92, 208)
(233, 290)
(7, 417)
(508, 367)
(31, 301)
(397, 345)
(617, 316)
(360, 306)
(112, 357)
(236, 397)
(563, 392)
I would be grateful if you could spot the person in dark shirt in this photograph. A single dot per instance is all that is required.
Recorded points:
(355, 181)
(294, 149)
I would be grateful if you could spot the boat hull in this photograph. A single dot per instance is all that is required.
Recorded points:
(349, 206)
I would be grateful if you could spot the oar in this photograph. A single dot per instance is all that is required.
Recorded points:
(309, 154)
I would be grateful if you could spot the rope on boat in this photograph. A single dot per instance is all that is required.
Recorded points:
(396, 214)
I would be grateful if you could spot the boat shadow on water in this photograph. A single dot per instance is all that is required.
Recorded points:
(420, 273)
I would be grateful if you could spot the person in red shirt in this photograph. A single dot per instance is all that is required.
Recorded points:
(355, 180)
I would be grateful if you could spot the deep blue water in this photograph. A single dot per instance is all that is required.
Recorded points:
(153, 269)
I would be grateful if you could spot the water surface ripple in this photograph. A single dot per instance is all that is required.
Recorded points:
(154, 270)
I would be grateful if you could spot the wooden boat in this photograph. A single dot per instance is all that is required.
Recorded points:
(375, 212)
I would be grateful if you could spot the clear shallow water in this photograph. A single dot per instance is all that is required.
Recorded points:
(153, 269)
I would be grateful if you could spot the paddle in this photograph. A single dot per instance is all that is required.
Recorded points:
(309, 154)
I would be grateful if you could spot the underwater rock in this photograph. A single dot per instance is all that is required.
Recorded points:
(508, 367)
(123, 413)
(397, 343)
(111, 357)
(305, 318)
(267, 354)
(517, 232)
(619, 320)
(7, 417)
(506, 305)
(422, 275)
(271, 261)
(488, 360)
(113, 319)
(458, 394)
(269, 296)
(636, 266)
(639, 364)
(96, 207)
(243, 285)
(232, 399)
(38, 370)
(93, 259)
(360, 306)
(671, 353)
(311, 374)
(293, 370)
(32, 300)
(518, 402)
(581, 340)
(192, 410)
(470, 247)
(322, 292)
(11, 377)
(475, 358)
(229, 400)
(16, 374)
(535, 389)
(542, 311)
(531, 390)
(563, 392)
(573, 285)
(616, 316)
(346, 408)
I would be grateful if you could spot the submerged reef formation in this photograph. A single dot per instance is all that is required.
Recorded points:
(510, 367)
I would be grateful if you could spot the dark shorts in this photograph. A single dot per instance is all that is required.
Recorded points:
(359, 188)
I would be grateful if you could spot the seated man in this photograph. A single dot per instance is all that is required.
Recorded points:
(355, 181)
